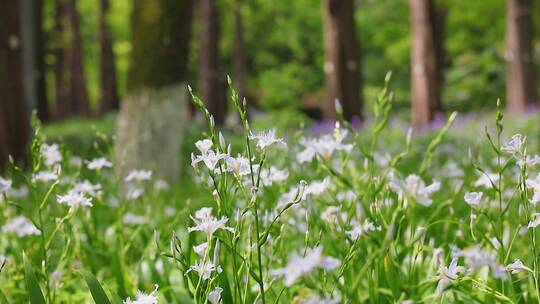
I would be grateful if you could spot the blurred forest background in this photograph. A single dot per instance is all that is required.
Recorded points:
(85, 58)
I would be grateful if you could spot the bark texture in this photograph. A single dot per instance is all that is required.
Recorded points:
(74, 58)
(239, 55)
(70, 79)
(151, 115)
(212, 83)
(14, 122)
(342, 59)
(520, 75)
(62, 105)
(39, 53)
(108, 90)
(426, 68)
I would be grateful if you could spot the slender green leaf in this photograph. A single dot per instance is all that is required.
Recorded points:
(3, 298)
(99, 295)
(32, 285)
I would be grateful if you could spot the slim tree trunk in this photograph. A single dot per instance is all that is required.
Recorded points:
(14, 122)
(423, 64)
(74, 58)
(520, 74)
(239, 56)
(62, 104)
(438, 21)
(150, 119)
(39, 53)
(212, 84)
(108, 91)
(342, 59)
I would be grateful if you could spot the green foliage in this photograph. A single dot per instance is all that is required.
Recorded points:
(99, 295)
(32, 286)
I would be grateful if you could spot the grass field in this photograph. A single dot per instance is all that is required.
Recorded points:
(381, 214)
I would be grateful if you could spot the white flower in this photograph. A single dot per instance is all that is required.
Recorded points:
(362, 229)
(514, 145)
(21, 226)
(134, 193)
(204, 269)
(201, 249)
(161, 185)
(134, 219)
(474, 199)
(476, 258)
(332, 214)
(531, 160)
(74, 199)
(5, 185)
(239, 165)
(207, 223)
(138, 175)
(204, 145)
(414, 187)
(448, 274)
(323, 146)
(87, 187)
(142, 298)
(486, 179)
(273, 175)
(299, 266)
(534, 184)
(98, 164)
(45, 176)
(51, 154)
(18, 193)
(210, 159)
(214, 296)
(517, 266)
(265, 139)
(317, 188)
(535, 222)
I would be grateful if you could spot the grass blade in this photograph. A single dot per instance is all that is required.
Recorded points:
(99, 295)
(32, 285)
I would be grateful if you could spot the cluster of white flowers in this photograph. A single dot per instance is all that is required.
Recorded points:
(476, 258)
(21, 226)
(324, 146)
(51, 154)
(74, 199)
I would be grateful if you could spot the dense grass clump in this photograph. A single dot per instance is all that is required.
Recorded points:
(377, 215)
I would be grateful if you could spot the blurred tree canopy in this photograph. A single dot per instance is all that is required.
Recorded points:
(284, 49)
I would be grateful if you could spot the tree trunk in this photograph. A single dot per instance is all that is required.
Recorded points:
(74, 57)
(342, 59)
(151, 114)
(108, 90)
(212, 84)
(520, 75)
(425, 85)
(239, 56)
(62, 104)
(438, 21)
(14, 122)
(43, 112)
